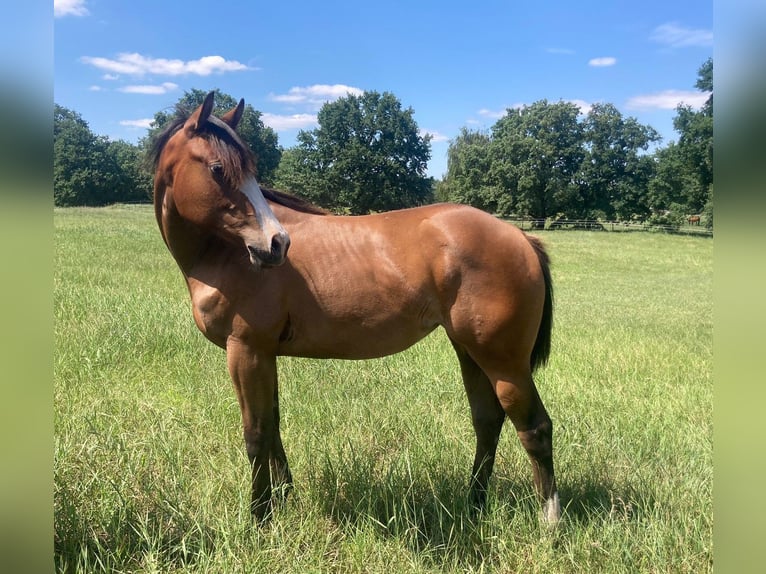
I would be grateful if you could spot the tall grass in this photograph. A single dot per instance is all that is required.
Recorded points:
(151, 474)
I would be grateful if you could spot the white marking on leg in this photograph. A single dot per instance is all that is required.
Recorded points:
(552, 509)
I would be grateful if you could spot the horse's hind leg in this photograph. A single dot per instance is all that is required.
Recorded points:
(521, 402)
(487, 416)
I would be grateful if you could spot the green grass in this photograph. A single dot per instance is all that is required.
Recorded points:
(151, 474)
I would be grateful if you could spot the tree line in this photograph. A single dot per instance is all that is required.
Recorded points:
(544, 160)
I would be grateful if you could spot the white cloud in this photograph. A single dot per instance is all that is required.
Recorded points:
(309, 98)
(584, 106)
(602, 62)
(110, 77)
(281, 123)
(436, 137)
(137, 65)
(667, 100)
(315, 96)
(154, 90)
(63, 8)
(494, 114)
(95, 88)
(142, 123)
(677, 36)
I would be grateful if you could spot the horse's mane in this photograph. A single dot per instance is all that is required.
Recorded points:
(235, 156)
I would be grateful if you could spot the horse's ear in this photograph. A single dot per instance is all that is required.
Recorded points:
(232, 117)
(201, 114)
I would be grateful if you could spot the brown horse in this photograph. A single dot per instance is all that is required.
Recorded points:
(351, 288)
(694, 219)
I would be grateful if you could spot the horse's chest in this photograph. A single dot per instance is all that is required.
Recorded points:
(210, 310)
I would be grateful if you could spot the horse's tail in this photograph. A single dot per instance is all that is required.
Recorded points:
(542, 347)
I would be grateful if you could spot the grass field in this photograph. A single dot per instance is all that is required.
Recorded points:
(151, 473)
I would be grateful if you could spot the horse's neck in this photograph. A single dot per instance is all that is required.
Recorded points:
(288, 216)
(185, 242)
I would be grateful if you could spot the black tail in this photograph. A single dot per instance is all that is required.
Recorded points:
(542, 347)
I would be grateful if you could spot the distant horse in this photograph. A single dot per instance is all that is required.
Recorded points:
(351, 288)
(694, 220)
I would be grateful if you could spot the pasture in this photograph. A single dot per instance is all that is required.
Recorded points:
(150, 473)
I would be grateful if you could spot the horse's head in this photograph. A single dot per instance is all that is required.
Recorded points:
(207, 175)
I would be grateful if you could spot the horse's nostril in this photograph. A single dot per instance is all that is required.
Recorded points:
(272, 256)
(280, 243)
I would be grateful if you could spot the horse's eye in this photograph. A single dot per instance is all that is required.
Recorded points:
(216, 169)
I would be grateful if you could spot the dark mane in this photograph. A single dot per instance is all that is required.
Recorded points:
(160, 140)
(235, 156)
(292, 201)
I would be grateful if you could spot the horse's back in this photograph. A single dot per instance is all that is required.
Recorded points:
(480, 246)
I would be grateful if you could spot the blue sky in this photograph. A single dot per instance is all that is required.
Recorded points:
(118, 63)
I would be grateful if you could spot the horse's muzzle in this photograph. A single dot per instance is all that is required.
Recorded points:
(276, 254)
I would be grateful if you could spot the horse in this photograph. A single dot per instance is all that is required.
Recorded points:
(270, 274)
(694, 220)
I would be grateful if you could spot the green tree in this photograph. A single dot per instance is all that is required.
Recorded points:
(92, 170)
(261, 139)
(300, 173)
(615, 173)
(133, 182)
(696, 141)
(684, 170)
(84, 170)
(670, 180)
(703, 134)
(366, 155)
(536, 154)
(72, 142)
(468, 167)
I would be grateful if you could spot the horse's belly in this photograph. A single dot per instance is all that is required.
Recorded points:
(353, 338)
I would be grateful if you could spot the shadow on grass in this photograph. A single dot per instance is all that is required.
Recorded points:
(597, 499)
(423, 505)
(426, 507)
(427, 510)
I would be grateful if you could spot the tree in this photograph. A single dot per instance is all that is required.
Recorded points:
(366, 155)
(468, 166)
(536, 154)
(696, 141)
(92, 170)
(72, 143)
(670, 181)
(300, 172)
(84, 170)
(685, 169)
(615, 173)
(134, 182)
(261, 139)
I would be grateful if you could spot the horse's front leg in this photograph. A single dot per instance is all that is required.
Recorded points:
(280, 471)
(255, 378)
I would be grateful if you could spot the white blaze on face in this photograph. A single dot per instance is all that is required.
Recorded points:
(267, 221)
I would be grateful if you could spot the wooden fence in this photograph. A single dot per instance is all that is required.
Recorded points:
(615, 226)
